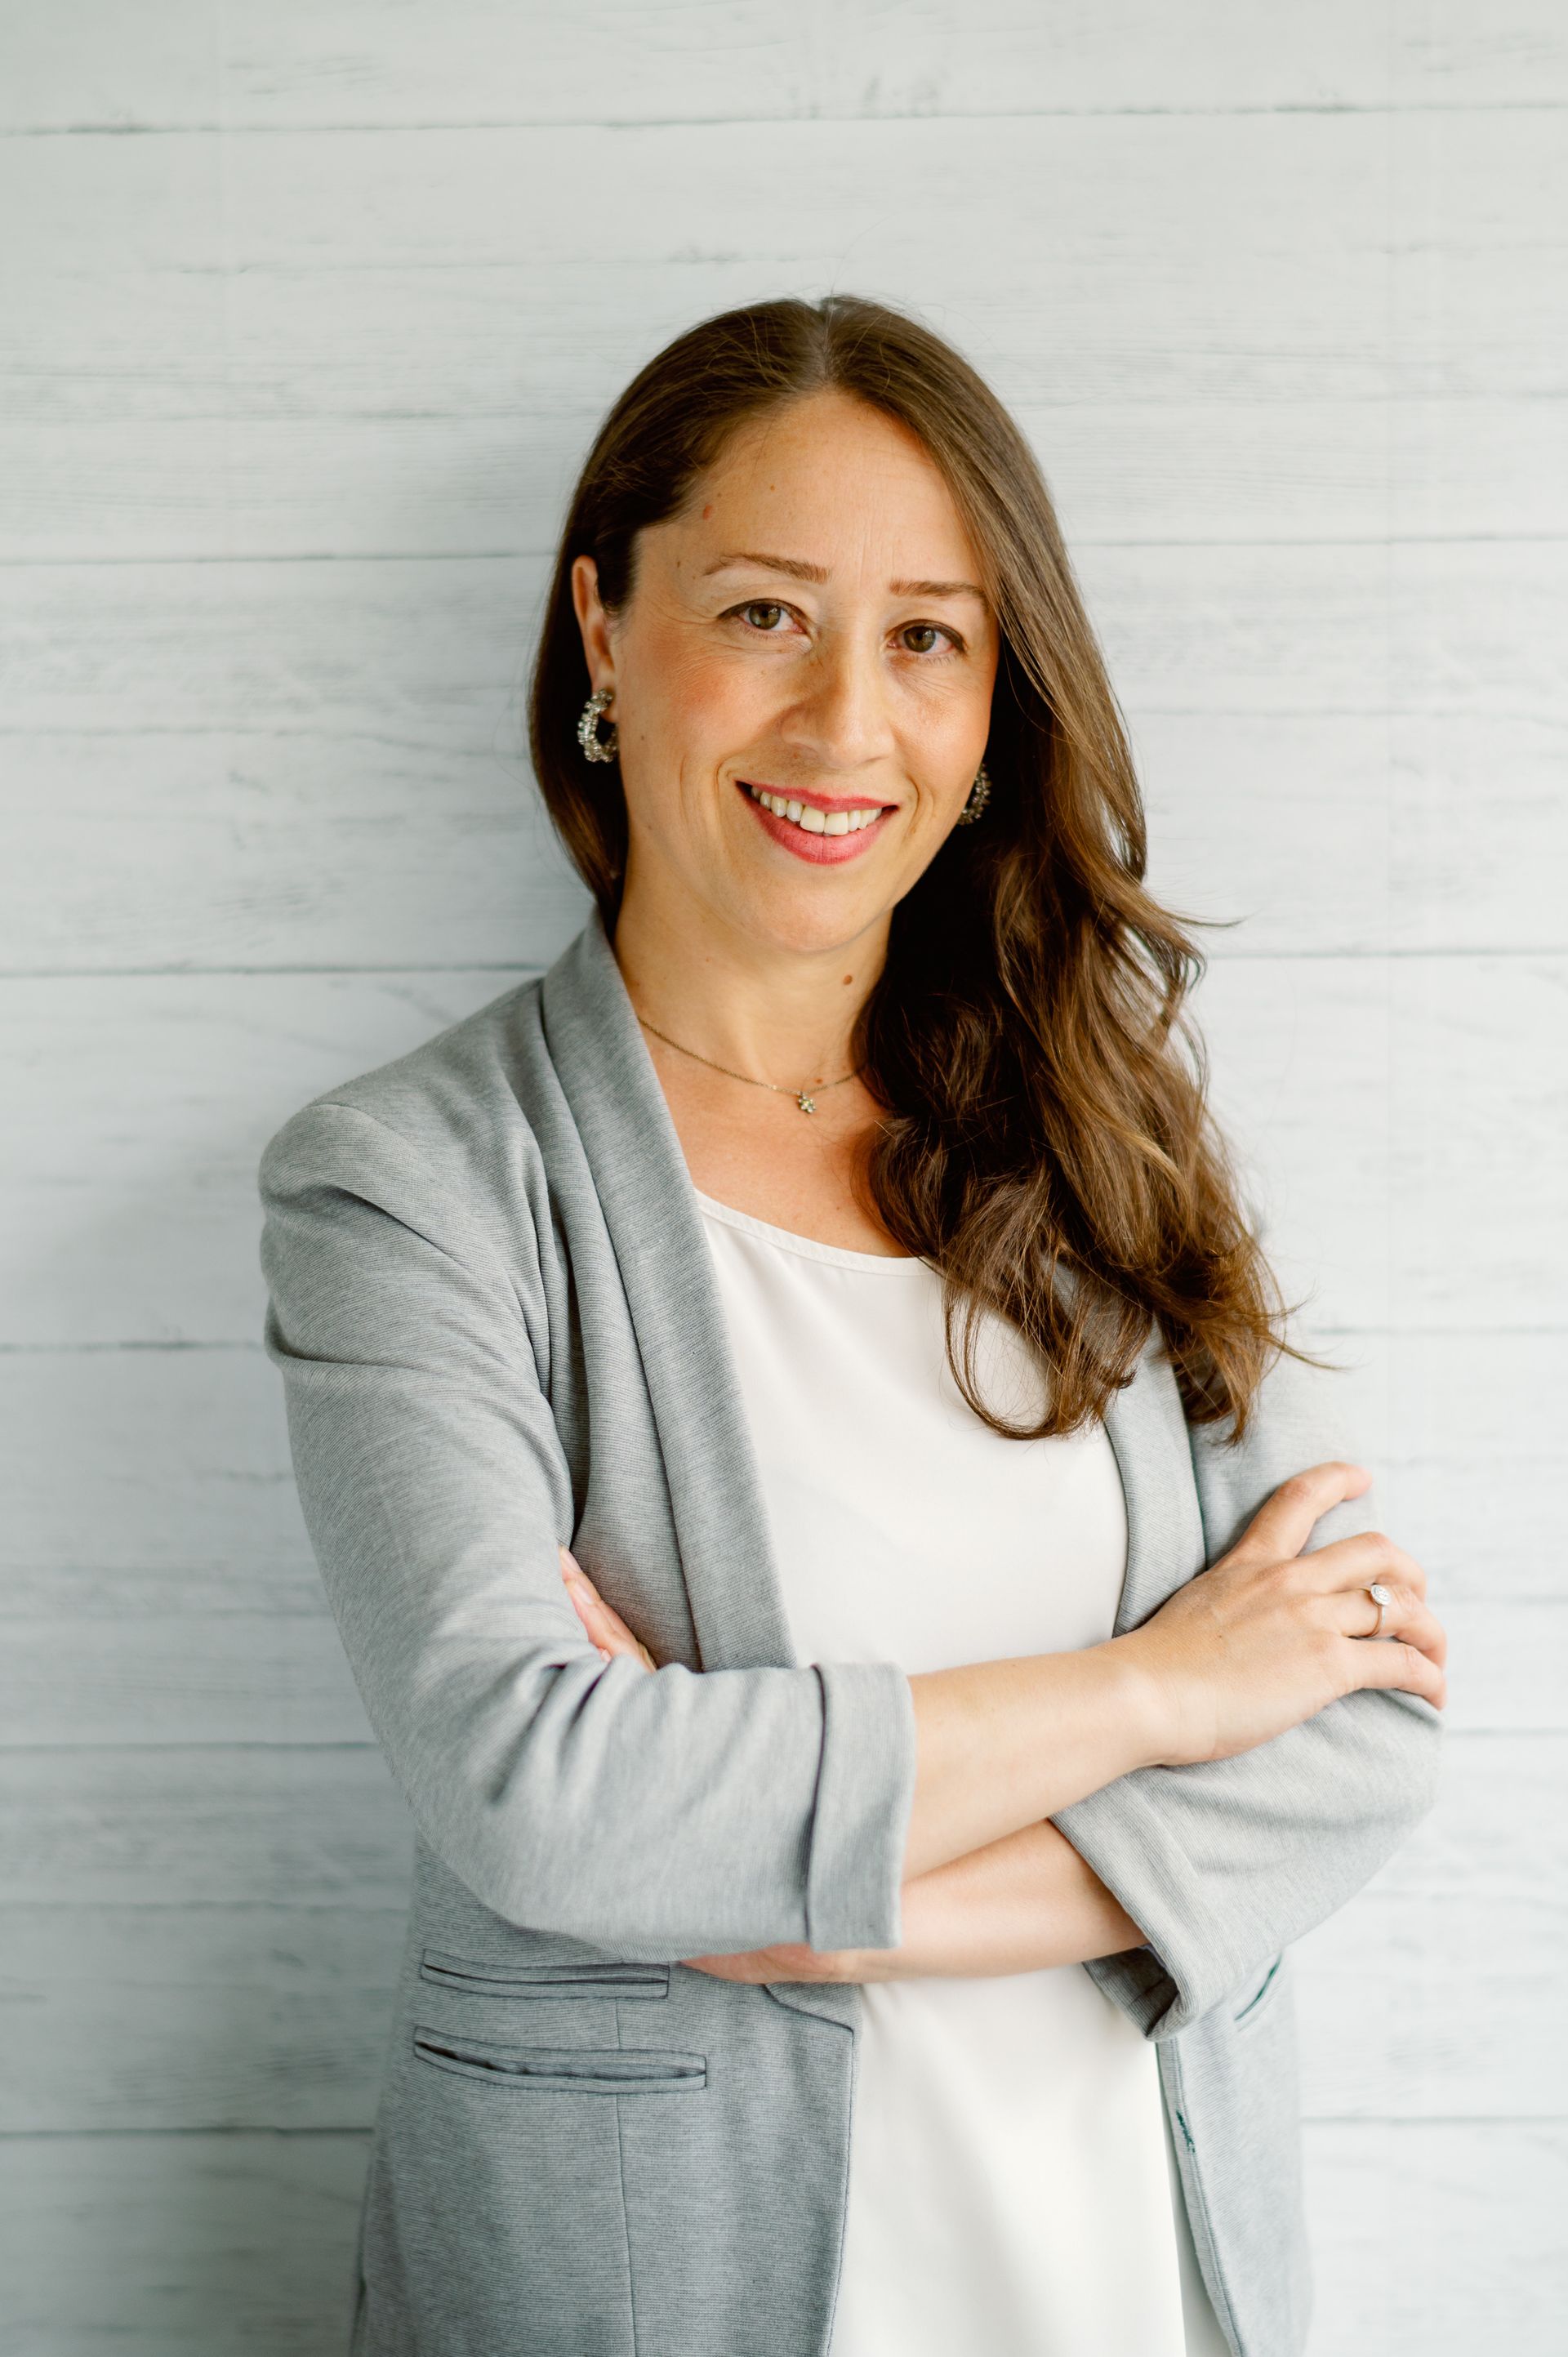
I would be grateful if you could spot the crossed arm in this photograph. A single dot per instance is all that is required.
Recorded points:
(1015, 1906)
(1238, 1791)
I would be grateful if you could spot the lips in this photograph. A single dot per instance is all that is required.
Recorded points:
(820, 830)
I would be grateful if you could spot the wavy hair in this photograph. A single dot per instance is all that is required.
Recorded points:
(1046, 1143)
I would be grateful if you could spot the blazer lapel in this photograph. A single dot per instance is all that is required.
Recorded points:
(1147, 1430)
(649, 1209)
(645, 1190)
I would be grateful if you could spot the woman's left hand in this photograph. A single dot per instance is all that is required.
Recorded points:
(609, 1631)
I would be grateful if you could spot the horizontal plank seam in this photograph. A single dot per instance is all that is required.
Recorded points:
(1262, 110)
(1035, 403)
(104, 560)
(105, 2135)
(1220, 953)
(176, 1749)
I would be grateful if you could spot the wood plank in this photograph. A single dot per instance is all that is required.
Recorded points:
(290, 851)
(150, 1480)
(1367, 833)
(1438, 2239)
(352, 63)
(180, 2245)
(189, 1077)
(1387, 1109)
(1122, 474)
(220, 1826)
(1429, 2010)
(220, 2017)
(190, 1678)
(1322, 284)
(416, 658)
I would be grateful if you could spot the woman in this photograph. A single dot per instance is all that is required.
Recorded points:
(852, 1882)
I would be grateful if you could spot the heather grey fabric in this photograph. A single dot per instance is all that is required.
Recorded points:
(492, 1305)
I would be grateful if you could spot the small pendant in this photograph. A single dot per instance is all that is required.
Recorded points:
(806, 1104)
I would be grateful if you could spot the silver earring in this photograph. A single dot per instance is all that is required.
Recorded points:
(978, 795)
(595, 746)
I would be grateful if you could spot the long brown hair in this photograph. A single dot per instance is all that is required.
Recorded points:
(1047, 1142)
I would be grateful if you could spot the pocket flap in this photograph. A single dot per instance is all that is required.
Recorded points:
(565, 2070)
(481, 1977)
(1267, 1982)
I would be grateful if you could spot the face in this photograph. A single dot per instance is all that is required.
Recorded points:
(801, 680)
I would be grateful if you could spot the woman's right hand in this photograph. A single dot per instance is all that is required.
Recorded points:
(1268, 1636)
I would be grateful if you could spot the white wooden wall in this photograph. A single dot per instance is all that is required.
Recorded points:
(307, 311)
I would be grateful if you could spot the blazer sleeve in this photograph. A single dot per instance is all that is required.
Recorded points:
(662, 1815)
(1223, 1863)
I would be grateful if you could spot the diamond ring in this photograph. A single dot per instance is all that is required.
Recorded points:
(1380, 1596)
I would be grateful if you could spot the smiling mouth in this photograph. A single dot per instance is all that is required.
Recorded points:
(849, 819)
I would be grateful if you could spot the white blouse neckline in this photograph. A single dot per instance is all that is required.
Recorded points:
(834, 1256)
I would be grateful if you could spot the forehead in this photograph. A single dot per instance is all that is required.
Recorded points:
(829, 478)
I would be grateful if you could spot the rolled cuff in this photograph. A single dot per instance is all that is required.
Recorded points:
(865, 1790)
(1188, 1964)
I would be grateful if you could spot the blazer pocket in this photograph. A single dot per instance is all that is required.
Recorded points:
(477, 1977)
(1258, 2003)
(565, 2070)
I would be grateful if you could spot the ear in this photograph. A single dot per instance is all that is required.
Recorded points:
(594, 623)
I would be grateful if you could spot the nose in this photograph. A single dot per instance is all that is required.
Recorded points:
(840, 716)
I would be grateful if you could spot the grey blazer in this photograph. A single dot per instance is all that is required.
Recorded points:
(491, 1303)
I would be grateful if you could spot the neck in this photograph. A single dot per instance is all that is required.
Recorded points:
(774, 1012)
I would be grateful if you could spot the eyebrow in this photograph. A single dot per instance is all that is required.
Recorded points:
(799, 569)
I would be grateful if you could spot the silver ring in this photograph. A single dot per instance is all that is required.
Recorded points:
(1380, 1596)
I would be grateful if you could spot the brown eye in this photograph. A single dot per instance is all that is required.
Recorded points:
(762, 616)
(926, 633)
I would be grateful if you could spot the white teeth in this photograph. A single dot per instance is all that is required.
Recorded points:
(815, 822)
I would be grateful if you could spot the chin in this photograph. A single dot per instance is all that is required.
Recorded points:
(810, 923)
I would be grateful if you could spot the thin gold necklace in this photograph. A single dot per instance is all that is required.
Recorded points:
(804, 1098)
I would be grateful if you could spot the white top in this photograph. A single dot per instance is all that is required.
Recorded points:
(1013, 2188)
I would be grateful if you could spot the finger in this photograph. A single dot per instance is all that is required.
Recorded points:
(1356, 1562)
(587, 1602)
(1400, 1666)
(601, 1621)
(1284, 1522)
(614, 1632)
(594, 1614)
(1408, 1616)
(756, 1966)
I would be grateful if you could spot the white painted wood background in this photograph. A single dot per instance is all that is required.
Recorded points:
(307, 312)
